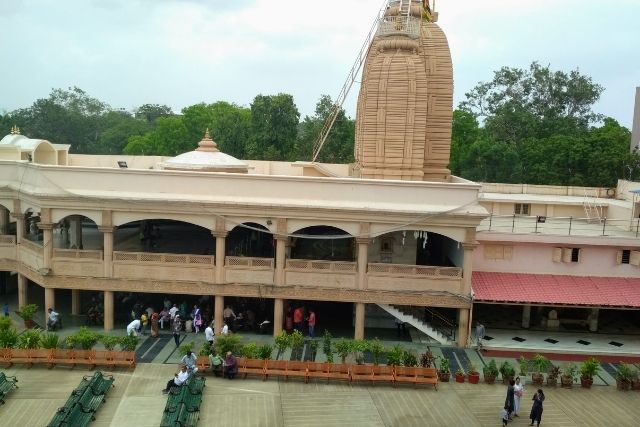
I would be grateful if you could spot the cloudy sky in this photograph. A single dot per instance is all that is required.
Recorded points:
(180, 52)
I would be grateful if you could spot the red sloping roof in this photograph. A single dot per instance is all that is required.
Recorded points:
(554, 289)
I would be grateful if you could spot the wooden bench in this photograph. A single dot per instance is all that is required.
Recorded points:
(361, 373)
(427, 376)
(383, 373)
(252, 367)
(296, 369)
(6, 385)
(405, 374)
(203, 364)
(275, 368)
(338, 371)
(318, 370)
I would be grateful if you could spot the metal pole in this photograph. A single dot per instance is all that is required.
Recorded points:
(513, 223)
(604, 226)
(490, 220)
(570, 221)
(536, 224)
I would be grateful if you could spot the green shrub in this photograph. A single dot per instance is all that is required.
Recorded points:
(344, 348)
(27, 311)
(228, 343)
(327, 346)
(30, 338)
(8, 338)
(409, 358)
(185, 348)
(507, 370)
(395, 355)
(283, 341)
(250, 350)
(205, 350)
(491, 369)
(5, 323)
(85, 338)
(443, 364)
(109, 342)
(50, 340)
(523, 363)
(128, 343)
(297, 342)
(540, 363)
(265, 351)
(589, 368)
(376, 348)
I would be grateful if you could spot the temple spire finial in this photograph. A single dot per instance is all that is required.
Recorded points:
(15, 130)
(207, 144)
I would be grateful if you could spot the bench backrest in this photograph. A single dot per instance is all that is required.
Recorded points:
(277, 364)
(361, 369)
(254, 363)
(317, 366)
(296, 365)
(427, 372)
(382, 370)
(405, 371)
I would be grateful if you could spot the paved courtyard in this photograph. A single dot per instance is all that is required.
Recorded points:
(136, 400)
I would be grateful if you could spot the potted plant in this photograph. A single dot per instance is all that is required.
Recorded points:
(344, 348)
(588, 369)
(109, 342)
(623, 377)
(490, 372)
(228, 343)
(297, 345)
(359, 347)
(635, 381)
(568, 375)
(31, 338)
(395, 356)
(326, 346)
(427, 359)
(552, 377)
(128, 343)
(27, 312)
(8, 334)
(376, 348)
(249, 350)
(443, 369)
(86, 338)
(523, 364)
(409, 359)
(507, 371)
(473, 374)
(282, 343)
(540, 365)
(50, 340)
(265, 351)
(459, 375)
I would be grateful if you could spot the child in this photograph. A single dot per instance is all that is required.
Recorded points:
(504, 416)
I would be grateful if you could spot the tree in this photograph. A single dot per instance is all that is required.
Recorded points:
(338, 147)
(169, 138)
(274, 127)
(152, 112)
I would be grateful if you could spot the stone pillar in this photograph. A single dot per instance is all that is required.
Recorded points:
(526, 316)
(359, 329)
(593, 319)
(75, 230)
(107, 249)
(463, 327)
(217, 313)
(108, 310)
(363, 255)
(281, 251)
(22, 290)
(4, 220)
(221, 237)
(75, 301)
(278, 313)
(19, 227)
(49, 301)
(47, 244)
(467, 267)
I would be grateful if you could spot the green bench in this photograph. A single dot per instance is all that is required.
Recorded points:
(81, 406)
(183, 404)
(6, 385)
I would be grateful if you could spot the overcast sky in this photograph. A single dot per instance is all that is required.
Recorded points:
(180, 52)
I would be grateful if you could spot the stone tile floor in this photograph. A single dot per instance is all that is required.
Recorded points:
(136, 400)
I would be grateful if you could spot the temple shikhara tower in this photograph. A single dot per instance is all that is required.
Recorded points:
(406, 98)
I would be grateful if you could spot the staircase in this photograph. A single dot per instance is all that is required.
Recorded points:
(591, 208)
(416, 323)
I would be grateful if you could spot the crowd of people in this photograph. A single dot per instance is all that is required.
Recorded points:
(515, 392)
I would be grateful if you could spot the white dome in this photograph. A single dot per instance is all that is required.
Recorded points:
(206, 158)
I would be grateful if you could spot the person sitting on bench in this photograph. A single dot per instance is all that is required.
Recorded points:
(53, 321)
(230, 366)
(177, 380)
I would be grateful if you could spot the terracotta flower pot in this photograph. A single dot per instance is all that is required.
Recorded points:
(474, 378)
(635, 385)
(551, 381)
(490, 379)
(567, 382)
(586, 382)
(537, 378)
(459, 378)
(28, 323)
(444, 376)
(623, 385)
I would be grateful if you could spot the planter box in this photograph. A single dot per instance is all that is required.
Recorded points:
(489, 379)
(623, 385)
(460, 378)
(474, 378)
(586, 382)
(444, 376)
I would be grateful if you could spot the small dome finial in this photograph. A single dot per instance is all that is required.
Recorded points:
(207, 144)
(15, 130)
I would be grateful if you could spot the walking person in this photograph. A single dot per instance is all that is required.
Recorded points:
(154, 324)
(518, 391)
(536, 408)
(480, 330)
(177, 327)
(197, 318)
(209, 335)
(509, 401)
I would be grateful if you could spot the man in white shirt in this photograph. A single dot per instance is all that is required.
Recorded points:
(173, 311)
(177, 380)
(134, 327)
(225, 329)
(208, 334)
(54, 317)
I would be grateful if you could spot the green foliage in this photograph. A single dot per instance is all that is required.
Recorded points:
(507, 370)
(409, 358)
(327, 347)
(109, 342)
(128, 343)
(8, 338)
(523, 363)
(570, 371)
(472, 368)
(274, 127)
(228, 343)
(540, 363)
(491, 369)
(376, 348)
(186, 348)
(427, 359)
(283, 341)
(395, 356)
(624, 373)
(443, 364)
(250, 351)
(30, 338)
(205, 349)
(5, 323)
(265, 351)
(296, 340)
(50, 340)
(589, 368)
(84, 337)
(344, 347)
(27, 311)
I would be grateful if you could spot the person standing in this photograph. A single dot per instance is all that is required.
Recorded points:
(288, 320)
(209, 335)
(177, 327)
(536, 408)
(144, 320)
(197, 318)
(518, 391)
(154, 324)
(228, 316)
(479, 334)
(312, 323)
(297, 319)
(225, 329)
(509, 401)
